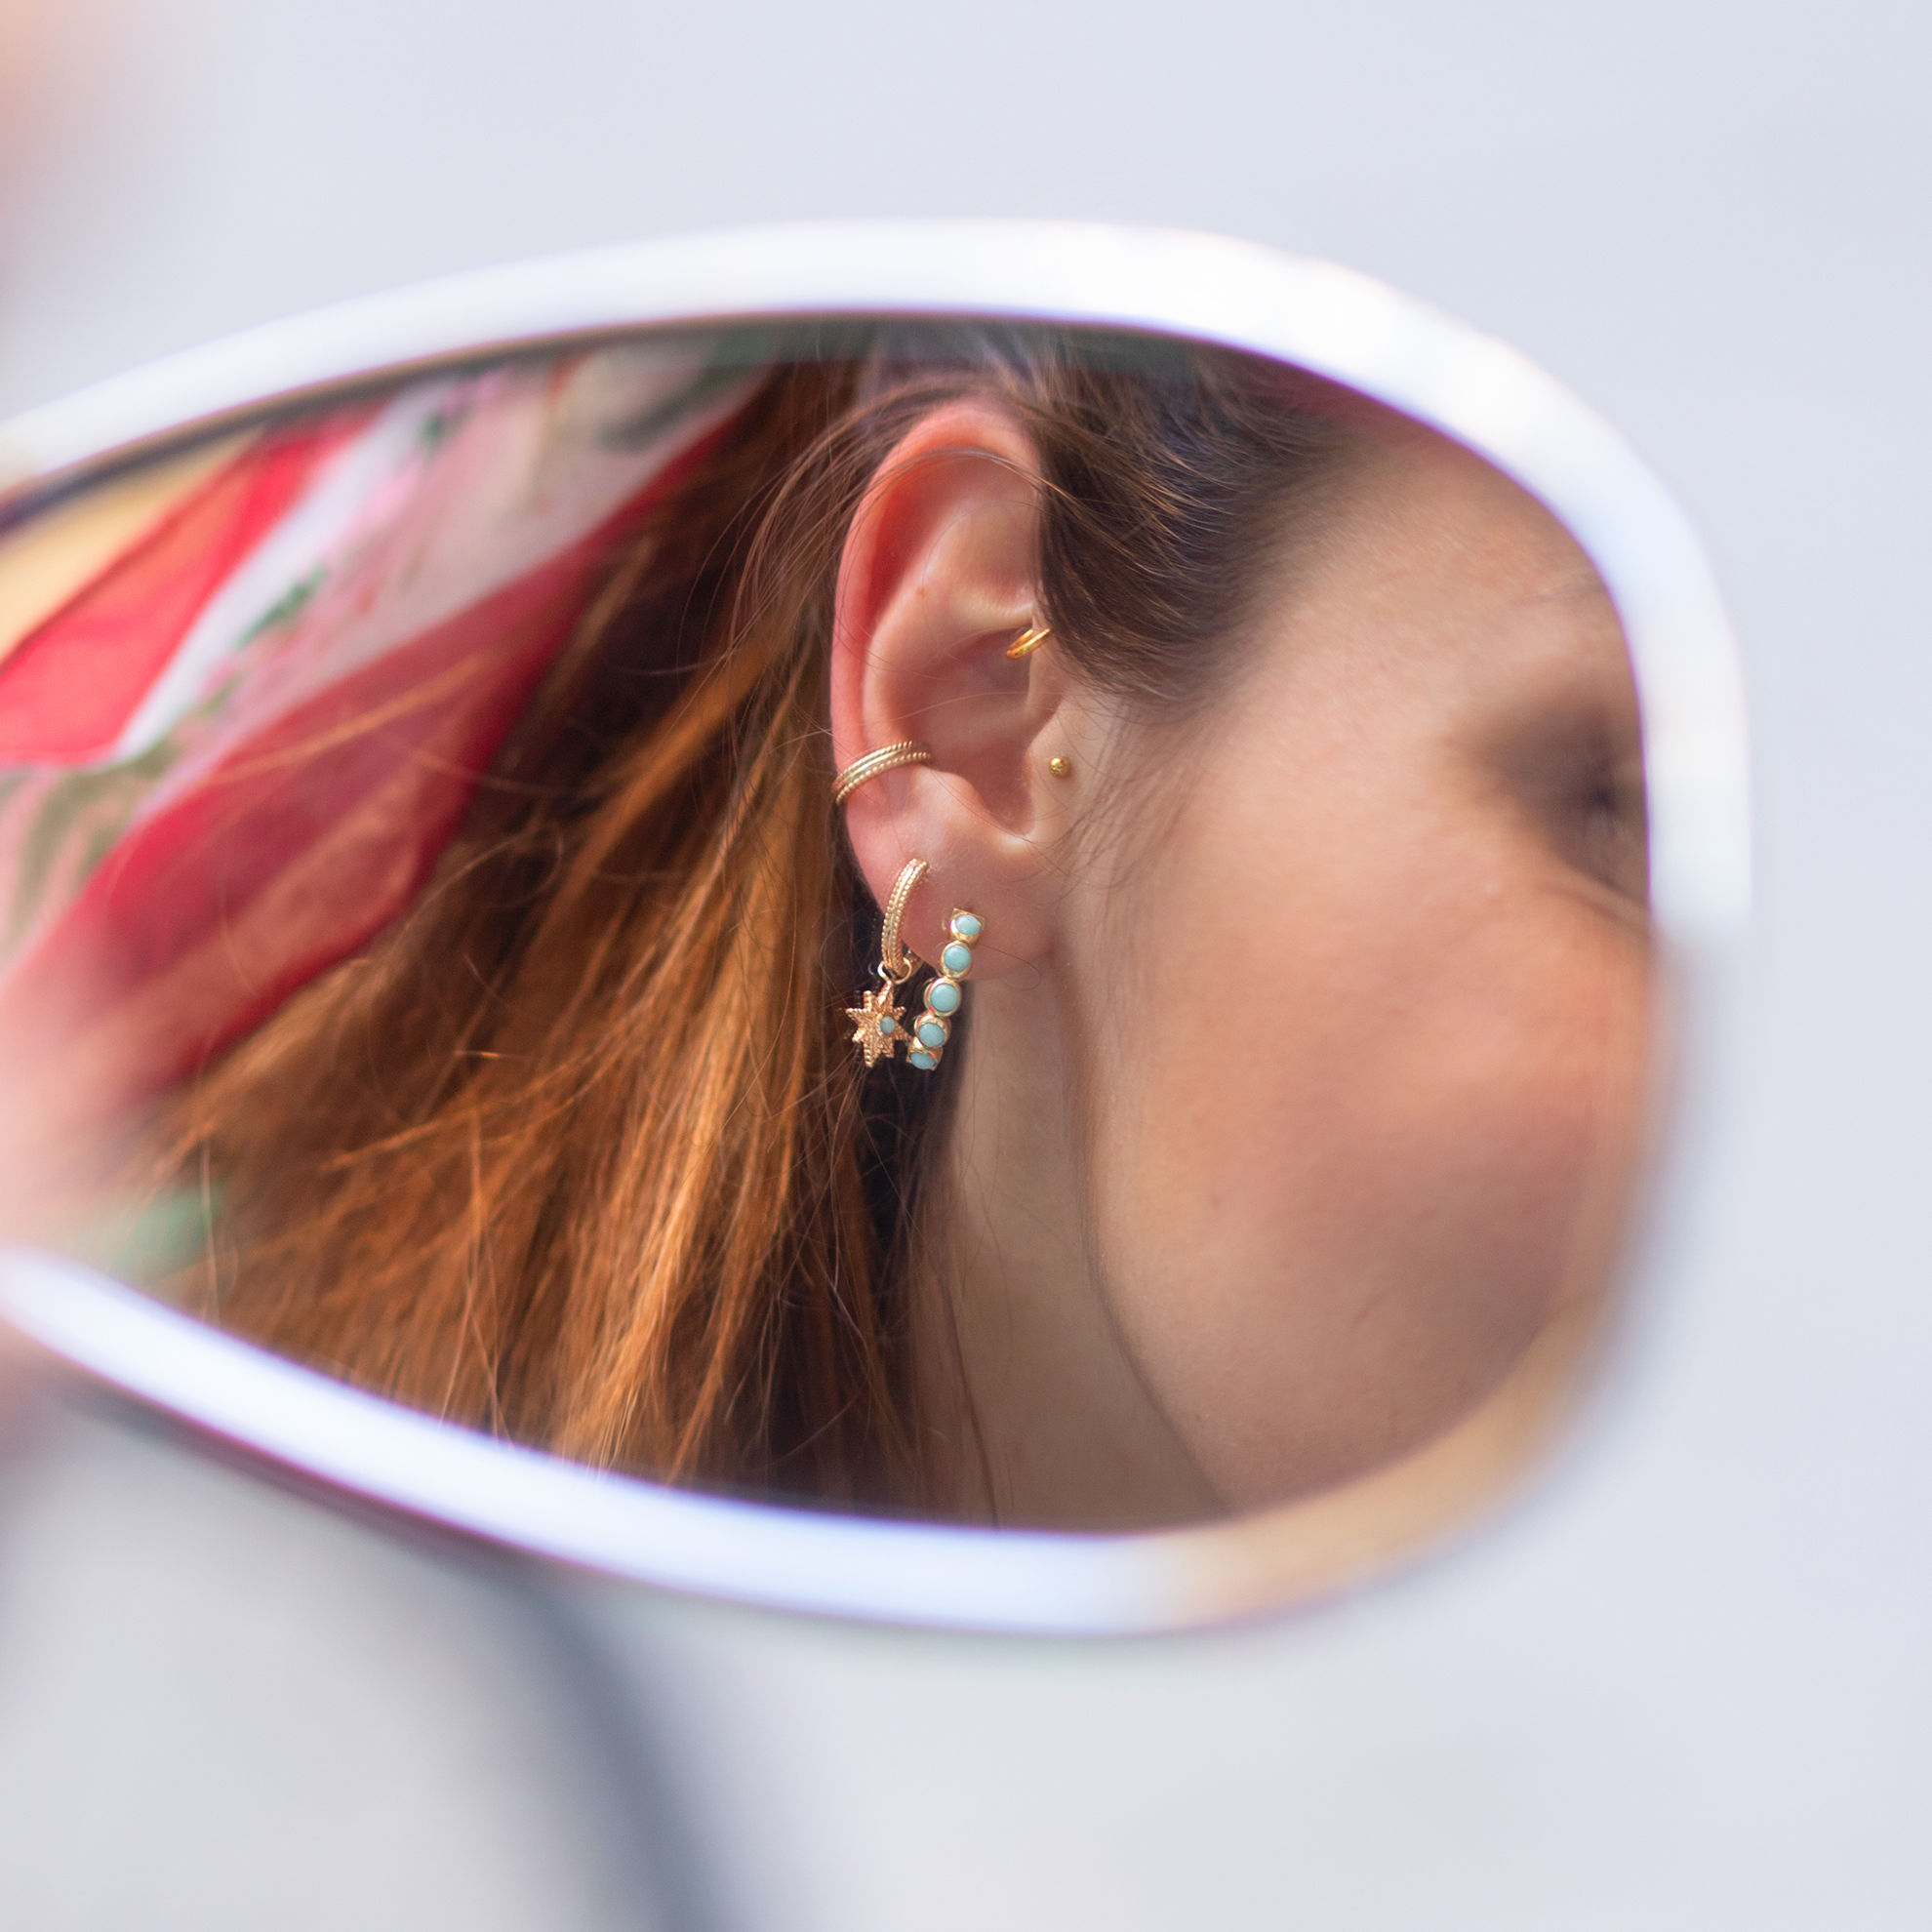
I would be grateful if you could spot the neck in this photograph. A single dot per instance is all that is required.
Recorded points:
(1033, 1409)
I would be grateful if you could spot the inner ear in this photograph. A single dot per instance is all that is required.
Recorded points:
(938, 576)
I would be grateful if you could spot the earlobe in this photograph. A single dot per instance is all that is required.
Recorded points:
(938, 580)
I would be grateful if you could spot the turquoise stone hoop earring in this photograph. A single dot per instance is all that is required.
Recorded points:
(942, 995)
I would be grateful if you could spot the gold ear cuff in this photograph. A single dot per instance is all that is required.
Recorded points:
(887, 758)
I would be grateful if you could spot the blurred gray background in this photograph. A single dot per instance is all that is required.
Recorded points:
(1689, 1687)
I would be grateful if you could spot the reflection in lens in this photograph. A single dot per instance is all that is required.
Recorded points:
(431, 940)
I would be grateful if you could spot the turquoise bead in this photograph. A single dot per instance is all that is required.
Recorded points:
(966, 925)
(943, 996)
(957, 958)
(932, 1032)
(924, 1062)
(887, 1024)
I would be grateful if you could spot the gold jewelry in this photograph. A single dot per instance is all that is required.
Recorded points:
(878, 1030)
(943, 994)
(899, 963)
(878, 1019)
(1061, 767)
(887, 758)
(1029, 640)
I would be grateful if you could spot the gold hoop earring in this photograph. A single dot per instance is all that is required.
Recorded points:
(943, 994)
(887, 758)
(894, 959)
(879, 1031)
(1029, 640)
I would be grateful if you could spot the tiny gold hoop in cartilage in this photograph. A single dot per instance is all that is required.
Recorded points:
(1029, 640)
(887, 758)
(894, 959)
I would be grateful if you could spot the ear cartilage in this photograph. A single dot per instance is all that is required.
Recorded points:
(943, 994)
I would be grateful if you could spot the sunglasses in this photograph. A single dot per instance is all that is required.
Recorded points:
(983, 925)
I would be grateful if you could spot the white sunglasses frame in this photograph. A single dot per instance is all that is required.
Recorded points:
(336, 1442)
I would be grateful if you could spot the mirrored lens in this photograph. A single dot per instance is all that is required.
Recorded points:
(1005, 924)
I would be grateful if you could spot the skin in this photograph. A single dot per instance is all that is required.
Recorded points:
(1305, 1061)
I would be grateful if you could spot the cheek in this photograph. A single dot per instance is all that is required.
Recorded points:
(1341, 1187)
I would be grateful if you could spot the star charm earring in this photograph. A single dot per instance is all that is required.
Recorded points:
(879, 1030)
(878, 1033)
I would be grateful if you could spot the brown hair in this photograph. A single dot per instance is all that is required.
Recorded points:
(577, 1152)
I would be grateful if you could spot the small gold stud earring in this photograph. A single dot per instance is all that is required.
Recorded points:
(1061, 767)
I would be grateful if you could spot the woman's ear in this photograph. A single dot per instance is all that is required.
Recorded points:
(938, 577)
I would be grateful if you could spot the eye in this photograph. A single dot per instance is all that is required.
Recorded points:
(1577, 775)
